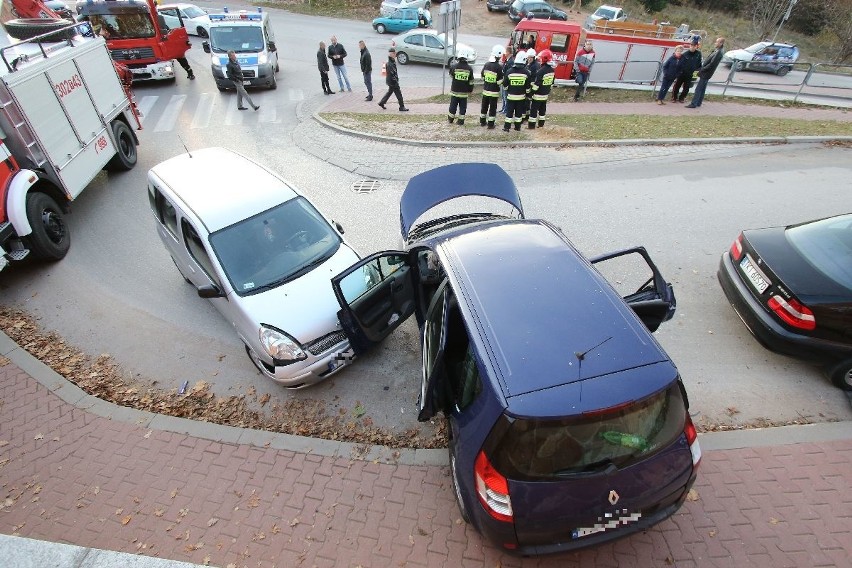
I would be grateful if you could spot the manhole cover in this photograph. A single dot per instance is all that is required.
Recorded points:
(366, 186)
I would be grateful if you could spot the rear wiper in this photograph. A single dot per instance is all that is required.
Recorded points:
(605, 467)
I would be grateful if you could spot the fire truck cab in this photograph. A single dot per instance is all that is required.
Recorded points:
(561, 38)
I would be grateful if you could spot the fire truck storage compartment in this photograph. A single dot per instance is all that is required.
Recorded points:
(57, 113)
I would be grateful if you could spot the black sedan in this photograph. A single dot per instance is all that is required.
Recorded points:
(792, 287)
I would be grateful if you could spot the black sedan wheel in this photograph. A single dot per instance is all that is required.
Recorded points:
(841, 375)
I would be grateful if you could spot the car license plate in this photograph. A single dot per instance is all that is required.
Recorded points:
(755, 276)
(246, 82)
(608, 522)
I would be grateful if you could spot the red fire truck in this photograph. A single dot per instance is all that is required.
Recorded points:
(136, 36)
(64, 116)
(625, 51)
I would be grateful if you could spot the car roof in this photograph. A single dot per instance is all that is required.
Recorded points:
(545, 316)
(221, 186)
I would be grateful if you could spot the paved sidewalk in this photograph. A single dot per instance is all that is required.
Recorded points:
(74, 476)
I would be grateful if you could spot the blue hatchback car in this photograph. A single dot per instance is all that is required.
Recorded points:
(569, 424)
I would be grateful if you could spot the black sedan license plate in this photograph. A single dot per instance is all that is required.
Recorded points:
(754, 275)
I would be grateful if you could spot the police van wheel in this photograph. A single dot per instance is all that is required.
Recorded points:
(125, 155)
(25, 28)
(50, 238)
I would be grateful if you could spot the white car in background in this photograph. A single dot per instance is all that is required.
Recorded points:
(194, 19)
(389, 6)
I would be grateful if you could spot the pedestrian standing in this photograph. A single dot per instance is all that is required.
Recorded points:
(392, 80)
(540, 89)
(492, 80)
(322, 65)
(510, 60)
(517, 83)
(671, 71)
(533, 67)
(460, 88)
(336, 52)
(367, 69)
(575, 7)
(235, 74)
(705, 72)
(691, 63)
(583, 62)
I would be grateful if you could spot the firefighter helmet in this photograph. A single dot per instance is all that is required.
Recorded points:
(545, 56)
(497, 52)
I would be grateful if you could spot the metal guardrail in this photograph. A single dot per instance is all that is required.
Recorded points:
(827, 79)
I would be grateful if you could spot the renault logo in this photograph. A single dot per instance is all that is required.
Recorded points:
(613, 497)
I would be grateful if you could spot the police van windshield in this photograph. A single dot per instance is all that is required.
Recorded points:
(590, 443)
(247, 39)
(274, 247)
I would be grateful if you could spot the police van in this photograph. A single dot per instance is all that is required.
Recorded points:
(250, 35)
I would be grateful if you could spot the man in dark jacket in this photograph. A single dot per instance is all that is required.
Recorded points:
(392, 80)
(336, 52)
(691, 63)
(460, 88)
(705, 72)
(367, 69)
(322, 65)
(235, 74)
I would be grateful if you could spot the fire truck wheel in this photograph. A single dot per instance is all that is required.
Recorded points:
(125, 156)
(50, 238)
(25, 28)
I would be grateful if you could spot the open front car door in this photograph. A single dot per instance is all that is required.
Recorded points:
(638, 280)
(375, 295)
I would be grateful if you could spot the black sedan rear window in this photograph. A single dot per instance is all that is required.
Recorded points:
(588, 444)
(827, 246)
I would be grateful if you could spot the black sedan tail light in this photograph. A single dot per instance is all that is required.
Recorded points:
(737, 248)
(792, 312)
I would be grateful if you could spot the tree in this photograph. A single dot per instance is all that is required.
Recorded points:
(653, 6)
(766, 15)
(840, 23)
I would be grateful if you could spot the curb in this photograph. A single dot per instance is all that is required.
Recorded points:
(74, 395)
(583, 143)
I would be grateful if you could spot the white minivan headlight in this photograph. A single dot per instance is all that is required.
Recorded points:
(280, 346)
(262, 59)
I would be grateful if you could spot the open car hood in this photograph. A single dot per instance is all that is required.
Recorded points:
(425, 191)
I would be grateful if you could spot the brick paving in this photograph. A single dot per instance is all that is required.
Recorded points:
(74, 477)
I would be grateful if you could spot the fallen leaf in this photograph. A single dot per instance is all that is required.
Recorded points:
(411, 539)
(158, 512)
(712, 533)
(39, 437)
(4, 443)
(212, 522)
(692, 495)
(773, 521)
(275, 529)
(294, 522)
(126, 519)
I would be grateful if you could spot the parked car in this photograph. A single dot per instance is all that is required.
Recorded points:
(568, 423)
(498, 5)
(388, 6)
(792, 287)
(764, 56)
(605, 12)
(262, 254)
(521, 9)
(403, 20)
(428, 46)
(194, 19)
(61, 8)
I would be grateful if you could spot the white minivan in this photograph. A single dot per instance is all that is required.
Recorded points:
(262, 254)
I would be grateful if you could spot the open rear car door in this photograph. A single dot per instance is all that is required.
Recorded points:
(638, 280)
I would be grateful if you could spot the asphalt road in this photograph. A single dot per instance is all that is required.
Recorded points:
(118, 293)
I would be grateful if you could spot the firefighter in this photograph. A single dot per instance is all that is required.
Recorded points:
(540, 89)
(532, 67)
(460, 89)
(517, 83)
(492, 77)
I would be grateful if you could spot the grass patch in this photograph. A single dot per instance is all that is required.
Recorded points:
(567, 128)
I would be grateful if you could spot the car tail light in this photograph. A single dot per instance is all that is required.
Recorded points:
(692, 440)
(737, 248)
(492, 489)
(792, 312)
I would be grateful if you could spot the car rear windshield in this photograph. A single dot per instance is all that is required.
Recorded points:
(827, 246)
(588, 444)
